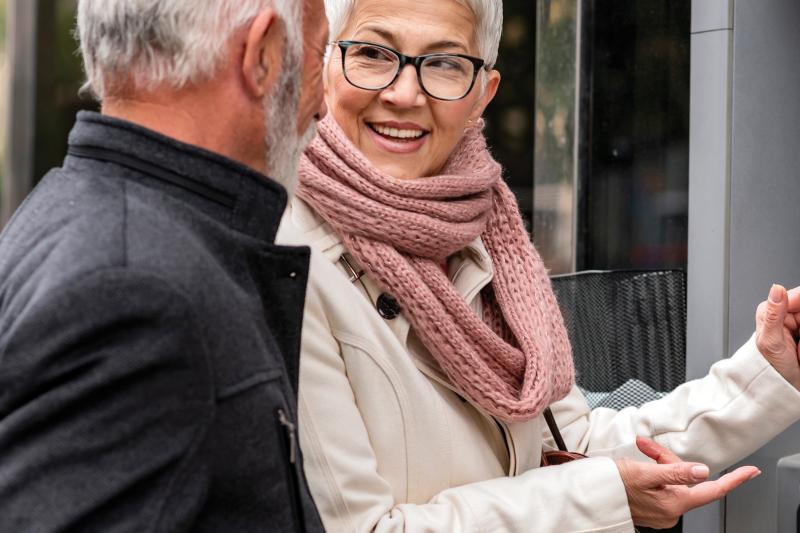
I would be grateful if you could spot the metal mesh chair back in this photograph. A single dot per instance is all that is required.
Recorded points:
(626, 325)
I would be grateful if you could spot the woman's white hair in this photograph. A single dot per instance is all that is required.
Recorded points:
(488, 13)
(178, 42)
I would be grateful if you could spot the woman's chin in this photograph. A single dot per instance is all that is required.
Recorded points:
(397, 171)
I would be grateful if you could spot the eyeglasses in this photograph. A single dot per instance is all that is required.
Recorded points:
(374, 67)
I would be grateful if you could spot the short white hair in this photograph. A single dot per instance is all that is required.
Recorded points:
(488, 13)
(177, 42)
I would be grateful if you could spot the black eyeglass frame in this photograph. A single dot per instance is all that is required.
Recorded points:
(417, 61)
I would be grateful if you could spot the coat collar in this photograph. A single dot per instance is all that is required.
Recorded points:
(236, 195)
(470, 269)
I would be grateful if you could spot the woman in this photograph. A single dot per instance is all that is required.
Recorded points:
(432, 343)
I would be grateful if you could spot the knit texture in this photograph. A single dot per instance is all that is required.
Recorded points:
(515, 360)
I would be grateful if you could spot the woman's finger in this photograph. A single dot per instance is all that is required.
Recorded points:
(769, 330)
(791, 323)
(656, 452)
(794, 300)
(711, 491)
(656, 476)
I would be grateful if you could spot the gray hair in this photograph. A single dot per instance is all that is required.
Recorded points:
(178, 42)
(488, 13)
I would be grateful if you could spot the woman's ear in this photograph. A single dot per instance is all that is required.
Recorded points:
(263, 53)
(492, 83)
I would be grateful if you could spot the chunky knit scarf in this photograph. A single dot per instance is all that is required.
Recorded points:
(516, 359)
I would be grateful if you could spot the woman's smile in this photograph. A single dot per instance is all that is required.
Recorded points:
(397, 137)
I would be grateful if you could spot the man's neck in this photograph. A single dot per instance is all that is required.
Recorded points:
(188, 119)
(166, 120)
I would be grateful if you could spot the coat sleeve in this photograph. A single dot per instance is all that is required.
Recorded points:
(718, 420)
(104, 400)
(351, 495)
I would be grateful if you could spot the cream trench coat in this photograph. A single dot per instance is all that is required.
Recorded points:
(389, 444)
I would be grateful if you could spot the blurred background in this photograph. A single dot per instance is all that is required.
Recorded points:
(591, 122)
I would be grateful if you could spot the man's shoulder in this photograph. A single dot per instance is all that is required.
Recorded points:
(69, 223)
(73, 225)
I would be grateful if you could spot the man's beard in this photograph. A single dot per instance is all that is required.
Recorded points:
(284, 145)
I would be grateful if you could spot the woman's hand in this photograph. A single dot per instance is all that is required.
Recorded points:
(658, 495)
(777, 325)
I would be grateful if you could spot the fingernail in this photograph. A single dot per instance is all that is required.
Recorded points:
(700, 471)
(776, 294)
(755, 474)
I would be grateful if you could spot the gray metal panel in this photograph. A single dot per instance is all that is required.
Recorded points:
(709, 174)
(18, 172)
(708, 202)
(765, 216)
(708, 15)
(788, 494)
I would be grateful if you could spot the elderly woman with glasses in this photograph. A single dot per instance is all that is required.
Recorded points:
(433, 349)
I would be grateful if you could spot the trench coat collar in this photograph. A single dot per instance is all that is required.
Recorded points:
(470, 269)
(236, 195)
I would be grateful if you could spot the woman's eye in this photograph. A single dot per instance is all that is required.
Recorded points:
(372, 53)
(446, 64)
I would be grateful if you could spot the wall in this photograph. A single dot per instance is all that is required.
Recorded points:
(743, 215)
(765, 205)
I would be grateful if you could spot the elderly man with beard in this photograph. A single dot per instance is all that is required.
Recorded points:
(149, 326)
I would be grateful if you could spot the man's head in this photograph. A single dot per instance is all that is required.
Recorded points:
(249, 69)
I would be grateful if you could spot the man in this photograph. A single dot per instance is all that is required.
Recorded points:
(149, 327)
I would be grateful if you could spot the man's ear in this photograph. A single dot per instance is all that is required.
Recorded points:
(492, 83)
(263, 53)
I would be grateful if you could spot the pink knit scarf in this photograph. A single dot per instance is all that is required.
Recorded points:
(515, 360)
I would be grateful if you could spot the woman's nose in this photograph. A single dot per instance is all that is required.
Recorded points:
(406, 90)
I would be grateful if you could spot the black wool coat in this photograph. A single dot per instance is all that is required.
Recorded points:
(149, 344)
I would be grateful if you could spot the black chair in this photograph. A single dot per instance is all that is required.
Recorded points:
(628, 334)
(628, 329)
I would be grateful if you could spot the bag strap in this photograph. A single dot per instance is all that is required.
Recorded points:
(551, 423)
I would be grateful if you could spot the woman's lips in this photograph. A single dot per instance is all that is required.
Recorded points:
(397, 146)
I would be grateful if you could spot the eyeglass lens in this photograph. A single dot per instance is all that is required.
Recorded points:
(442, 76)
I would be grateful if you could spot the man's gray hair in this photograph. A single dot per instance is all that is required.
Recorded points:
(488, 13)
(177, 42)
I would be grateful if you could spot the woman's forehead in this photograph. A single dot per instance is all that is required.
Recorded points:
(421, 24)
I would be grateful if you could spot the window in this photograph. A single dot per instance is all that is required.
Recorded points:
(509, 118)
(612, 133)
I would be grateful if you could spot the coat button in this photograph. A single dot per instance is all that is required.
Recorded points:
(388, 307)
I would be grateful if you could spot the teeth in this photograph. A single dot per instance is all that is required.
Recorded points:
(398, 134)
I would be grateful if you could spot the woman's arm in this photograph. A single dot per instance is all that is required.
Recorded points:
(738, 407)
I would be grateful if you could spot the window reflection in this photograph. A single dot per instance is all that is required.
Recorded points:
(613, 192)
(59, 77)
(555, 134)
(637, 152)
(509, 118)
(4, 84)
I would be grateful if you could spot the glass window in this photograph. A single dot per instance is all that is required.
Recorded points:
(4, 82)
(636, 148)
(611, 152)
(509, 118)
(555, 142)
(46, 75)
(59, 76)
